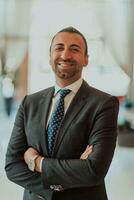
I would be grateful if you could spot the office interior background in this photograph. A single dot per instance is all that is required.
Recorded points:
(26, 29)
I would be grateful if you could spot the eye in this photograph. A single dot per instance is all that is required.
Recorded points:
(60, 48)
(75, 49)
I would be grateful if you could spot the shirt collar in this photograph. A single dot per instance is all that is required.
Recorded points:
(74, 87)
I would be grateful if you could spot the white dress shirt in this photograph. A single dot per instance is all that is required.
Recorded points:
(74, 87)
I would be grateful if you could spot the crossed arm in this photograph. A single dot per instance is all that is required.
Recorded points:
(31, 152)
(93, 163)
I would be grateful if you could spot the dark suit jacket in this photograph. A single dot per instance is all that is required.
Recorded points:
(90, 119)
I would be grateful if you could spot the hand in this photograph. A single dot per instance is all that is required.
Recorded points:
(29, 154)
(87, 152)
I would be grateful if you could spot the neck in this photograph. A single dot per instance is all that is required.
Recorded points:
(65, 82)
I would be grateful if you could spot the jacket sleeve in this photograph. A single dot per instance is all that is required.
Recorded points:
(84, 173)
(16, 169)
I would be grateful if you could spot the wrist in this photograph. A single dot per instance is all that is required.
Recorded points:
(38, 164)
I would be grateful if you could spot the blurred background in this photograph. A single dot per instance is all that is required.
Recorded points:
(26, 29)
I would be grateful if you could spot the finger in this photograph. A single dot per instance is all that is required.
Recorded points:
(89, 146)
(87, 150)
(83, 157)
(86, 153)
(32, 150)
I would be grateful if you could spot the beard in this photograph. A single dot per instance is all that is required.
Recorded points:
(66, 69)
(64, 74)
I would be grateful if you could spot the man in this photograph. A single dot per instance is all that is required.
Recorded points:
(67, 161)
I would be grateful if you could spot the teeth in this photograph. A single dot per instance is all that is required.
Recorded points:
(65, 64)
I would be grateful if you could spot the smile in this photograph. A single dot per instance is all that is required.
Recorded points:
(65, 64)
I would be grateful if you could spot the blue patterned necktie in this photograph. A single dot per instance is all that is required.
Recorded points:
(56, 119)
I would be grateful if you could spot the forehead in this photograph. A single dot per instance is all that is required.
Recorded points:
(66, 38)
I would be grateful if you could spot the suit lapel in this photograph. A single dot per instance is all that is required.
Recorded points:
(74, 108)
(44, 110)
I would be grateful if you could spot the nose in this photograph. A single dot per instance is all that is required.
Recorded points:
(66, 54)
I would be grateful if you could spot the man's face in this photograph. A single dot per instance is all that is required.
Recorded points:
(67, 56)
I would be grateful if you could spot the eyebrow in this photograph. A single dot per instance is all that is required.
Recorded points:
(72, 45)
(59, 44)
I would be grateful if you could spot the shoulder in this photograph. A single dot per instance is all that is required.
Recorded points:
(40, 93)
(37, 96)
(98, 96)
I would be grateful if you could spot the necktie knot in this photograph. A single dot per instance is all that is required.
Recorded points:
(64, 92)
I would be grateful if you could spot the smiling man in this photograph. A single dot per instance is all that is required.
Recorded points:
(64, 137)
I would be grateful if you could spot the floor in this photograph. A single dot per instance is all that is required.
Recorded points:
(119, 180)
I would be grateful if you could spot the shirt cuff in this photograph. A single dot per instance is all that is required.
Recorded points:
(41, 164)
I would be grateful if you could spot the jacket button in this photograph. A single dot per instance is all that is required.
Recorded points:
(52, 187)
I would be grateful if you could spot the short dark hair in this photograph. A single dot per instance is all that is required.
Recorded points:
(71, 29)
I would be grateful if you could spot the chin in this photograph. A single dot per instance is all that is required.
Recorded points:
(65, 75)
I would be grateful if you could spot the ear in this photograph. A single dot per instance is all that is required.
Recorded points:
(86, 61)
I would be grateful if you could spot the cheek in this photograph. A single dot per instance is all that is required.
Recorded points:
(53, 58)
(80, 61)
